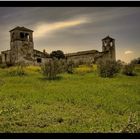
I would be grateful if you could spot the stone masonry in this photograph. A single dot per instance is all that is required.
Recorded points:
(22, 49)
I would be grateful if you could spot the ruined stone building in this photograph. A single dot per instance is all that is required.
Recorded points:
(22, 49)
(108, 53)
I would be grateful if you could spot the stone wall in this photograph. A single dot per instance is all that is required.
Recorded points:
(21, 50)
(6, 56)
(84, 56)
(92, 56)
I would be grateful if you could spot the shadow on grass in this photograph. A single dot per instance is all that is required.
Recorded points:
(16, 75)
(58, 78)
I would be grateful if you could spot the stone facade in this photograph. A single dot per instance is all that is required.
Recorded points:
(22, 49)
(93, 56)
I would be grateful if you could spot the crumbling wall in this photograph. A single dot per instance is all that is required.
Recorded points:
(5, 55)
(21, 50)
(84, 57)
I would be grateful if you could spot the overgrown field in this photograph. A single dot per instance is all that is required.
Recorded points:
(80, 102)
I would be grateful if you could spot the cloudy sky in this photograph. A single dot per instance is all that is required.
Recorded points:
(75, 29)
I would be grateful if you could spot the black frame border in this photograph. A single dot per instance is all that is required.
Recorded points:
(70, 4)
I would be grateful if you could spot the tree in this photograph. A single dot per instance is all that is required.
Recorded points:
(70, 66)
(129, 69)
(57, 54)
(136, 61)
(51, 69)
(108, 68)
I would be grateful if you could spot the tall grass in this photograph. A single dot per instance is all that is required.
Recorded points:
(74, 103)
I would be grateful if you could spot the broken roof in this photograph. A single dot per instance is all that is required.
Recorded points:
(108, 37)
(21, 29)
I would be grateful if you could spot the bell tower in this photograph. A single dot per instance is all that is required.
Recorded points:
(21, 44)
(108, 45)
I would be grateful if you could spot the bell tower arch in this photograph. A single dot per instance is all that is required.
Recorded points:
(108, 45)
(21, 44)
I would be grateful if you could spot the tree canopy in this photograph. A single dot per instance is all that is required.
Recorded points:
(57, 54)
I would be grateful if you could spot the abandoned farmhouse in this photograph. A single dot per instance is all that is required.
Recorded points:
(22, 49)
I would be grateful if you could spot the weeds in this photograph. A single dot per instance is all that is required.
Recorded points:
(129, 69)
(132, 126)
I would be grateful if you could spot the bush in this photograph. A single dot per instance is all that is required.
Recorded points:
(70, 67)
(129, 69)
(62, 65)
(51, 68)
(18, 70)
(108, 68)
(136, 61)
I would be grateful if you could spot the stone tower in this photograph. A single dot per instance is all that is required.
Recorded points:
(21, 44)
(108, 45)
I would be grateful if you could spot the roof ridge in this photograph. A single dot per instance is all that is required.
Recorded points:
(108, 37)
(21, 28)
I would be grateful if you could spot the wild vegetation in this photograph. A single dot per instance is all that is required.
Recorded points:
(129, 69)
(108, 68)
(80, 101)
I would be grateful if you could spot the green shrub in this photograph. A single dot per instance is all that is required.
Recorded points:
(18, 70)
(51, 69)
(70, 67)
(129, 69)
(136, 61)
(108, 68)
(62, 65)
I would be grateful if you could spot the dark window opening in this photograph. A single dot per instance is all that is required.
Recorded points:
(38, 60)
(22, 35)
(13, 34)
(5, 57)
